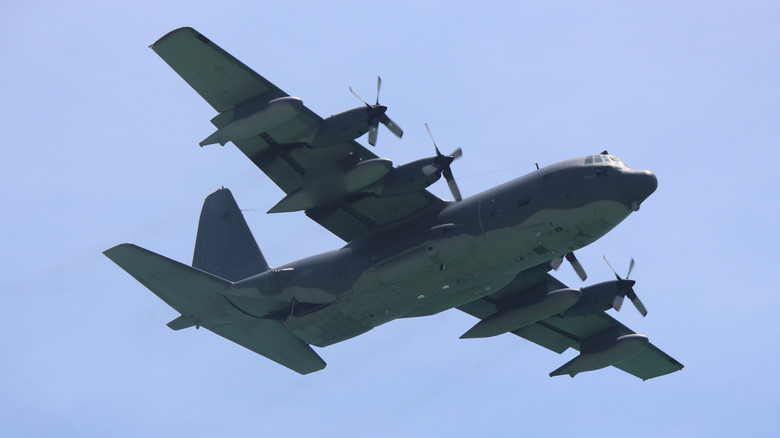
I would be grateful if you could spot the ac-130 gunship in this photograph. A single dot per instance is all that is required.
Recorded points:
(408, 253)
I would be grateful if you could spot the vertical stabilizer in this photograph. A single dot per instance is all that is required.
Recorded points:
(225, 246)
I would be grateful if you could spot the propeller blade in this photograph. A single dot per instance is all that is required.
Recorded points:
(447, 173)
(446, 160)
(395, 129)
(617, 303)
(358, 96)
(556, 263)
(613, 269)
(375, 114)
(626, 289)
(434, 141)
(378, 86)
(373, 130)
(637, 302)
(577, 266)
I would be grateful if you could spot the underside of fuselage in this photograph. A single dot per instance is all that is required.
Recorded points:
(471, 249)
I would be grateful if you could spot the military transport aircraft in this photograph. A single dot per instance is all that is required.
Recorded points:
(408, 253)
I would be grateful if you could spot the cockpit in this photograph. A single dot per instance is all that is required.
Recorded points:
(604, 158)
(604, 165)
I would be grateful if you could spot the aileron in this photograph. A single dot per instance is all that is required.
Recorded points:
(222, 80)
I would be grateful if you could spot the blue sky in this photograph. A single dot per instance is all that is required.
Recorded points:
(100, 147)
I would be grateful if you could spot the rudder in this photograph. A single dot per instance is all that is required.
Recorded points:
(224, 245)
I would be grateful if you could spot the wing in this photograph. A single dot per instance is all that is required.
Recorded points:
(558, 333)
(281, 152)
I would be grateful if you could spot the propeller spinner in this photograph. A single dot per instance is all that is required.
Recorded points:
(626, 289)
(376, 115)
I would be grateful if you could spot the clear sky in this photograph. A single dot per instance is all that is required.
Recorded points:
(100, 147)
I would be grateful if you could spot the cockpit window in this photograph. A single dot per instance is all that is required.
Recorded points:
(604, 159)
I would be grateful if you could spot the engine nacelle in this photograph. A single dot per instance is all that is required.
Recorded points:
(604, 355)
(408, 178)
(595, 299)
(346, 126)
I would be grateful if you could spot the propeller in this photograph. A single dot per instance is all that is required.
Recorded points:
(376, 115)
(556, 263)
(442, 163)
(577, 266)
(625, 288)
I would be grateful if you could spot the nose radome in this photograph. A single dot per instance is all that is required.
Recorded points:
(638, 185)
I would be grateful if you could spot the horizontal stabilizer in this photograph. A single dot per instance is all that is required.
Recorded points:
(272, 339)
(194, 292)
(180, 286)
(182, 322)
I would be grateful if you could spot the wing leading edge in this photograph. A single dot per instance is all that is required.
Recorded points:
(282, 151)
(559, 333)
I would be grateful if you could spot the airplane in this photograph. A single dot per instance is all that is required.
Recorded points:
(408, 253)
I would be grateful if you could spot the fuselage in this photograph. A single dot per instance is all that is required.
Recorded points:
(460, 251)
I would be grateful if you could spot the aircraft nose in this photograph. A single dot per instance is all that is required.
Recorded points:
(636, 186)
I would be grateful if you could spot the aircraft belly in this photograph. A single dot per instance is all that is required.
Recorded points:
(406, 274)
(326, 326)
(445, 273)
(552, 232)
(606, 215)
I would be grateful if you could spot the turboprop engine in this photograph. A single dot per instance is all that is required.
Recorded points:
(351, 124)
(609, 294)
(420, 174)
(377, 176)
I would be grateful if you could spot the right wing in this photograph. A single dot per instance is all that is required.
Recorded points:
(558, 333)
(226, 83)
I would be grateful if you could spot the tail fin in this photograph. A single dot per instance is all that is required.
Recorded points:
(225, 246)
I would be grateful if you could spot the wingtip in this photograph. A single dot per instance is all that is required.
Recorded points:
(173, 32)
(110, 251)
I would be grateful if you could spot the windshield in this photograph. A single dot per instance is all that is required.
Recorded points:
(603, 158)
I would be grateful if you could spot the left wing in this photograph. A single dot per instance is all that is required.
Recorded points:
(282, 151)
(558, 333)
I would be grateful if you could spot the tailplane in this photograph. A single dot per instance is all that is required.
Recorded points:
(225, 252)
(198, 296)
(225, 246)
